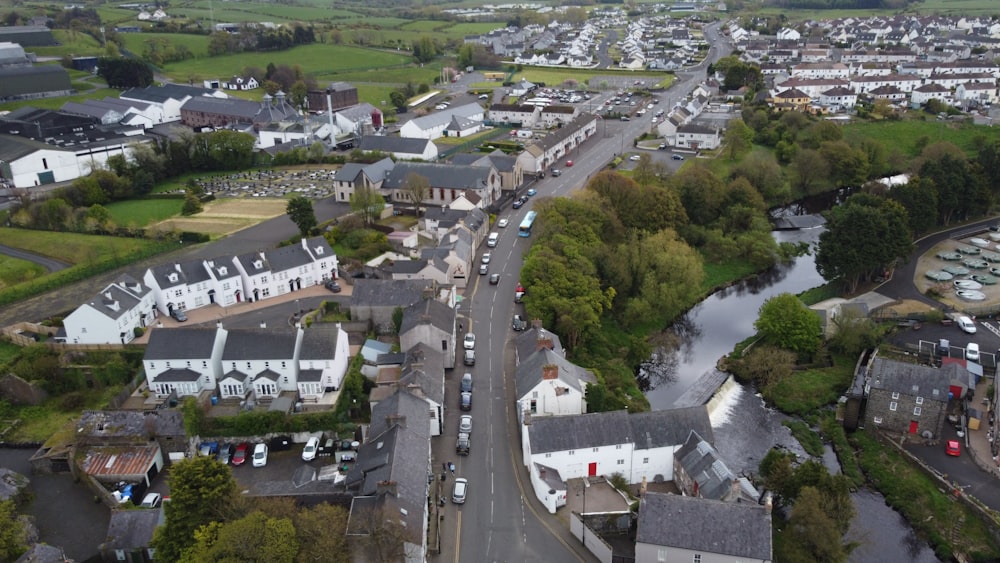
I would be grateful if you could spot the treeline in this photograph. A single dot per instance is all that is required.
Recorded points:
(841, 4)
(627, 254)
(258, 38)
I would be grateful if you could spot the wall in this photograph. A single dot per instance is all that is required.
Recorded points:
(597, 546)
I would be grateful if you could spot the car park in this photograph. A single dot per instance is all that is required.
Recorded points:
(463, 444)
(494, 279)
(470, 358)
(953, 448)
(225, 454)
(151, 500)
(465, 401)
(309, 452)
(460, 491)
(260, 455)
(465, 423)
(333, 286)
(502, 223)
(178, 315)
(240, 455)
(469, 342)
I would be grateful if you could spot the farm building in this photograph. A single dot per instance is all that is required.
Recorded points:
(24, 82)
(28, 35)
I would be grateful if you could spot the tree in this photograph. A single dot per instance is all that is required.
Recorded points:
(13, 539)
(959, 191)
(300, 211)
(122, 72)
(397, 99)
(919, 198)
(809, 171)
(738, 138)
(417, 188)
(201, 491)
(764, 365)
(811, 535)
(786, 322)
(424, 50)
(253, 538)
(321, 531)
(192, 205)
(367, 203)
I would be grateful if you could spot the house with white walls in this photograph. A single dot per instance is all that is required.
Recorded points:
(183, 361)
(286, 269)
(264, 361)
(547, 384)
(637, 445)
(181, 285)
(112, 316)
(433, 125)
(324, 353)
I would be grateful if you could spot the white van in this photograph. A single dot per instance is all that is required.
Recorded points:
(966, 324)
(524, 134)
(493, 239)
(972, 352)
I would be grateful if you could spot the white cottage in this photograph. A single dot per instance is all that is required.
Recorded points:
(184, 361)
(113, 315)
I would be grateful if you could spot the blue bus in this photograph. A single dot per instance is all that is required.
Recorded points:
(525, 229)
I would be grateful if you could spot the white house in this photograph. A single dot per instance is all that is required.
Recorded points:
(241, 83)
(433, 126)
(184, 361)
(638, 445)
(286, 269)
(697, 137)
(181, 285)
(262, 360)
(431, 323)
(545, 152)
(923, 94)
(547, 384)
(514, 114)
(322, 361)
(977, 91)
(169, 98)
(788, 34)
(842, 97)
(552, 116)
(111, 316)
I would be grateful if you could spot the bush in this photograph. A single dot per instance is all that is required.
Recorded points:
(138, 331)
(71, 401)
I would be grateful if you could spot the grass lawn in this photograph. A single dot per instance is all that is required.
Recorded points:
(8, 351)
(197, 44)
(71, 43)
(424, 25)
(472, 28)
(143, 212)
(804, 392)
(395, 76)
(42, 422)
(14, 271)
(375, 95)
(56, 103)
(72, 247)
(556, 76)
(905, 134)
(718, 274)
(455, 141)
(318, 58)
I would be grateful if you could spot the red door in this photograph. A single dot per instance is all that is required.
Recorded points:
(592, 469)
(913, 427)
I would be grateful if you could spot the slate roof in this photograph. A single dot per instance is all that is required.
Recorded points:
(113, 302)
(527, 342)
(909, 379)
(408, 266)
(405, 405)
(260, 344)
(267, 374)
(132, 529)
(430, 311)
(13, 147)
(130, 423)
(176, 375)
(529, 372)
(387, 144)
(694, 128)
(360, 112)
(247, 261)
(161, 273)
(319, 343)
(160, 94)
(646, 430)
(559, 135)
(423, 373)
(461, 124)
(704, 465)
(447, 176)
(43, 553)
(440, 118)
(180, 343)
(287, 258)
(525, 108)
(735, 529)
(310, 375)
(387, 293)
(244, 110)
(559, 109)
(235, 374)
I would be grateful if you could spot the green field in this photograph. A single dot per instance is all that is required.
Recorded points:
(71, 43)
(472, 28)
(317, 59)
(906, 134)
(395, 76)
(425, 25)
(197, 44)
(56, 103)
(556, 76)
(144, 212)
(14, 271)
(72, 247)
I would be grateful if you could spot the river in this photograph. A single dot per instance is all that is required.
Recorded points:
(744, 427)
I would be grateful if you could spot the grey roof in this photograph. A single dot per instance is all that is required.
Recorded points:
(440, 118)
(697, 129)
(528, 341)
(222, 269)
(132, 529)
(388, 293)
(236, 108)
(160, 94)
(645, 430)
(235, 374)
(559, 135)
(529, 372)
(42, 553)
(736, 529)
(113, 301)
(349, 172)
(398, 405)
(447, 176)
(310, 375)
(180, 343)
(360, 112)
(177, 375)
(267, 374)
(705, 466)
(13, 147)
(247, 261)
(458, 123)
(12, 483)
(408, 266)
(287, 257)
(319, 343)
(187, 273)
(260, 344)
(318, 247)
(430, 311)
(909, 379)
(131, 423)
(423, 373)
(405, 145)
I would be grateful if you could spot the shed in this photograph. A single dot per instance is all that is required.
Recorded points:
(133, 464)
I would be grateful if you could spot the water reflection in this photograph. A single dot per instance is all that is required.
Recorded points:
(882, 534)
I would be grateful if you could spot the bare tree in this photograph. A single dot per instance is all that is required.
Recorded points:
(367, 203)
(418, 188)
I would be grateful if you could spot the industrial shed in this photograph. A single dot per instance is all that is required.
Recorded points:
(18, 83)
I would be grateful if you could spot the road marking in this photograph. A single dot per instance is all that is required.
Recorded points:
(458, 535)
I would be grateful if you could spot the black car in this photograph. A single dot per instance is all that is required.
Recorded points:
(519, 323)
(518, 204)
(466, 402)
(178, 315)
(333, 286)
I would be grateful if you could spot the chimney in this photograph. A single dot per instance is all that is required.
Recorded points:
(543, 343)
(263, 324)
(768, 504)
(385, 487)
(536, 324)
(550, 371)
(395, 420)
(218, 324)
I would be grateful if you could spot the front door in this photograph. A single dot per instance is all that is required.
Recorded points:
(592, 469)
(913, 427)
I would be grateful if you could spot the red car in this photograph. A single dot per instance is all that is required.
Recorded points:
(953, 448)
(240, 457)
(569, 164)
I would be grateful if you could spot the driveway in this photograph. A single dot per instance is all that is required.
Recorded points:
(50, 264)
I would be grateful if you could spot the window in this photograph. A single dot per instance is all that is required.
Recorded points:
(283, 365)
(571, 452)
(534, 406)
(618, 446)
(661, 555)
(444, 345)
(920, 400)
(916, 411)
(621, 462)
(892, 406)
(645, 460)
(548, 455)
(697, 558)
(895, 394)
(597, 449)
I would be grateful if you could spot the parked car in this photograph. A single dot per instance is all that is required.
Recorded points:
(260, 455)
(486, 258)
(503, 222)
(518, 323)
(953, 448)
(625, 118)
(662, 147)
(225, 454)
(518, 204)
(972, 352)
(569, 164)
(469, 342)
(461, 489)
(178, 315)
(634, 158)
(484, 269)
(556, 172)
(208, 449)
(240, 455)
(151, 500)
(677, 157)
(462, 444)
(465, 386)
(531, 192)
(966, 324)
(484, 96)
(465, 423)
(333, 286)
(494, 279)
(465, 401)
(470, 358)
(309, 452)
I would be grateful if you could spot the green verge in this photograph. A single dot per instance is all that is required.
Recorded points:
(810, 440)
(804, 392)
(14, 271)
(144, 212)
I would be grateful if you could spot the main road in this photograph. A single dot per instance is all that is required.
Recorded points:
(501, 520)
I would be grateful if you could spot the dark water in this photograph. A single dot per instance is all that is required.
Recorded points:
(744, 427)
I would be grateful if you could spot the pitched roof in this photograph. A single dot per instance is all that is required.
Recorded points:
(319, 343)
(423, 373)
(388, 293)
(132, 529)
(160, 94)
(430, 311)
(287, 257)
(737, 529)
(439, 175)
(530, 371)
(405, 145)
(909, 379)
(528, 341)
(559, 135)
(646, 430)
(113, 301)
(705, 466)
(440, 118)
(260, 344)
(180, 343)
(13, 147)
(240, 109)
(177, 375)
